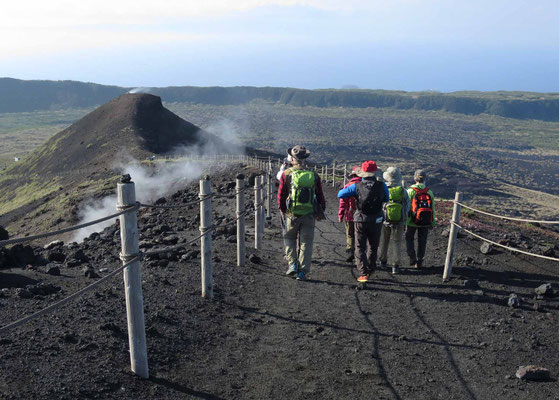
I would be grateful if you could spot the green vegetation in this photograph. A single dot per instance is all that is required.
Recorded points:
(25, 193)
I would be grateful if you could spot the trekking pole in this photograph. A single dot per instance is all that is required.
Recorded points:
(452, 236)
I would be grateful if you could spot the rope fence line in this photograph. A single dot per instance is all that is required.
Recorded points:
(504, 217)
(69, 229)
(60, 303)
(502, 245)
(455, 227)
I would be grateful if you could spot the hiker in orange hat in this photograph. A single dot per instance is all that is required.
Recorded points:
(370, 195)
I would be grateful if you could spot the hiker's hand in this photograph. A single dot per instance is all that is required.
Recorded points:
(340, 219)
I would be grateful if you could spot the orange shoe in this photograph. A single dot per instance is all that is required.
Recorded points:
(363, 278)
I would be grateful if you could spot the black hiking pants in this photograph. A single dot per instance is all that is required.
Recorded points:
(422, 234)
(367, 238)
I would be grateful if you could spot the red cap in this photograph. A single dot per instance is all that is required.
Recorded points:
(369, 166)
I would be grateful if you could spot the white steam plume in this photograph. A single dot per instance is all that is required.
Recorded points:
(152, 184)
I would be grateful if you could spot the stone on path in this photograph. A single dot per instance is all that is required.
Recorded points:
(486, 248)
(514, 301)
(544, 290)
(533, 373)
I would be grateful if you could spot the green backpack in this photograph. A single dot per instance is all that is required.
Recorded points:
(395, 204)
(301, 197)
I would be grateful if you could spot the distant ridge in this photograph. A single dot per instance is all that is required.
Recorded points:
(17, 96)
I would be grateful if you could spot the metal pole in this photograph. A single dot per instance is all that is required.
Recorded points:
(240, 205)
(257, 213)
(452, 236)
(206, 240)
(132, 279)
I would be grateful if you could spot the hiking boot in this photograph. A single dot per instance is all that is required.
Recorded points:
(419, 264)
(363, 278)
(413, 262)
(301, 276)
(292, 270)
(383, 265)
(395, 270)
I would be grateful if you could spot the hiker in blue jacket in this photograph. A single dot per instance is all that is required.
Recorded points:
(370, 195)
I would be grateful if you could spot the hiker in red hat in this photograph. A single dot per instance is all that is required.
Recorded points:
(370, 194)
(345, 211)
(301, 201)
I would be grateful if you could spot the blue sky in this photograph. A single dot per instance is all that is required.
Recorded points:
(397, 44)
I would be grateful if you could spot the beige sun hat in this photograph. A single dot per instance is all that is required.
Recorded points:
(392, 175)
(298, 152)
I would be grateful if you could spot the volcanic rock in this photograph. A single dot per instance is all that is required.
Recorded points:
(514, 301)
(253, 258)
(544, 290)
(533, 373)
(52, 269)
(486, 248)
(53, 244)
(56, 256)
(4, 234)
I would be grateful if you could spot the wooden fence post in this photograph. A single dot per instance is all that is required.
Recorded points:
(345, 174)
(452, 236)
(257, 213)
(240, 205)
(206, 240)
(132, 279)
(334, 174)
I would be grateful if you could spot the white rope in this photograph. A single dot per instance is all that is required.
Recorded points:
(72, 228)
(67, 299)
(503, 246)
(503, 217)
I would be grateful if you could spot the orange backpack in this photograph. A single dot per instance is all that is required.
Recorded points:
(422, 207)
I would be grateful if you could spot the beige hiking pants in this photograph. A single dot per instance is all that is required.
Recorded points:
(396, 233)
(304, 227)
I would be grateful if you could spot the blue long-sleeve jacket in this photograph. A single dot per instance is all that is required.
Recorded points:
(351, 191)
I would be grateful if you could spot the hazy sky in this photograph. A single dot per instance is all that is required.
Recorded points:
(388, 44)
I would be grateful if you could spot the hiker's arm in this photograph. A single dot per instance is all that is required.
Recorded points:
(349, 191)
(319, 193)
(344, 205)
(407, 203)
(283, 192)
(386, 193)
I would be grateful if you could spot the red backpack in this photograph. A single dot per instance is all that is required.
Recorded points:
(422, 207)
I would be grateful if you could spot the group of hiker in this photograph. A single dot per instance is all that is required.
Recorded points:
(376, 208)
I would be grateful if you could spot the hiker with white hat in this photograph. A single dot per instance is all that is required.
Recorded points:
(395, 215)
(370, 194)
(420, 219)
(301, 201)
(346, 211)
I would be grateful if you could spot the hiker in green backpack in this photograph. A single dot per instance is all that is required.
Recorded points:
(301, 201)
(395, 214)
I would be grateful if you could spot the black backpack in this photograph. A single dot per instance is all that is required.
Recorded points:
(370, 196)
